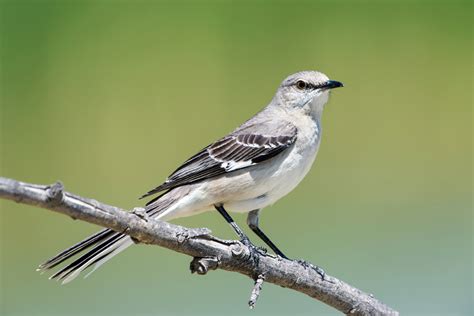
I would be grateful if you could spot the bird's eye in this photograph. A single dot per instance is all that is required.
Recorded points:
(300, 84)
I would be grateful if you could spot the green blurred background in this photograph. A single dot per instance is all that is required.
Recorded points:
(109, 96)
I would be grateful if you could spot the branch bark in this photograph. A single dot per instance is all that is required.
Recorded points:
(208, 252)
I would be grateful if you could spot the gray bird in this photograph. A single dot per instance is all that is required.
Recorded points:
(251, 168)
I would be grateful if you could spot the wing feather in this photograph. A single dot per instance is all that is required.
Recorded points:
(243, 148)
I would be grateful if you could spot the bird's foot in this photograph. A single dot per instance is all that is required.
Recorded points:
(306, 264)
(261, 250)
(255, 251)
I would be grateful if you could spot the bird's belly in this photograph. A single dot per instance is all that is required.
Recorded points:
(269, 184)
(254, 187)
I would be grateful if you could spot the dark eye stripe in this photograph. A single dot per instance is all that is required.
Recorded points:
(300, 84)
(308, 85)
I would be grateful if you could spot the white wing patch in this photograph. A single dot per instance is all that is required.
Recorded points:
(233, 165)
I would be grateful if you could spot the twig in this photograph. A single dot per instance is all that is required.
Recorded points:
(256, 291)
(209, 252)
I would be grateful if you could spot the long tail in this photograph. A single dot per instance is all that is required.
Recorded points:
(102, 246)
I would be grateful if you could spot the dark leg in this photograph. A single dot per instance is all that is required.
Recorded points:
(254, 251)
(252, 221)
(232, 223)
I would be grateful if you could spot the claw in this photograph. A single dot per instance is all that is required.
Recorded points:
(254, 250)
(318, 270)
(262, 250)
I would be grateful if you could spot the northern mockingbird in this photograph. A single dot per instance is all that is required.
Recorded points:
(252, 167)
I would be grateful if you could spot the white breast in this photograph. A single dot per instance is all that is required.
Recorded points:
(298, 162)
(270, 181)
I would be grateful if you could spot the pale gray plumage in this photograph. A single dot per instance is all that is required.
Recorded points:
(247, 170)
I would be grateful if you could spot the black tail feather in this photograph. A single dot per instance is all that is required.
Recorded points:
(102, 246)
(79, 262)
(71, 251)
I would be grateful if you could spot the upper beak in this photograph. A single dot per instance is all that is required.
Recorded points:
(331, 84)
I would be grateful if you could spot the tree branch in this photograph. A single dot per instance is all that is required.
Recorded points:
(209, 252)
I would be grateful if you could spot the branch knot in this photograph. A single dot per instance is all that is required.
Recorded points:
(140, 213)
(201, 265)
(55, 192)
(188, 233)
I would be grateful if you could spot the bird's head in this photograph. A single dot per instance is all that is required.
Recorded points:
(306, 90)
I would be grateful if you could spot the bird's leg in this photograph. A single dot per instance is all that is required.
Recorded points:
(252, 221)
(254, 251)
(230, 220)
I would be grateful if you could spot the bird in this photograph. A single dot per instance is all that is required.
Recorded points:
(245, 171)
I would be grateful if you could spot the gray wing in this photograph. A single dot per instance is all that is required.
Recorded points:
(247, 146)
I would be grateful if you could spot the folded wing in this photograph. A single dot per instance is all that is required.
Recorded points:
(247, 146)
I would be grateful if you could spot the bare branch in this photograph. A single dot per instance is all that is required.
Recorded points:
(209, 252)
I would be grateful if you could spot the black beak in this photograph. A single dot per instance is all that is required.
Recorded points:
(332, 84)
